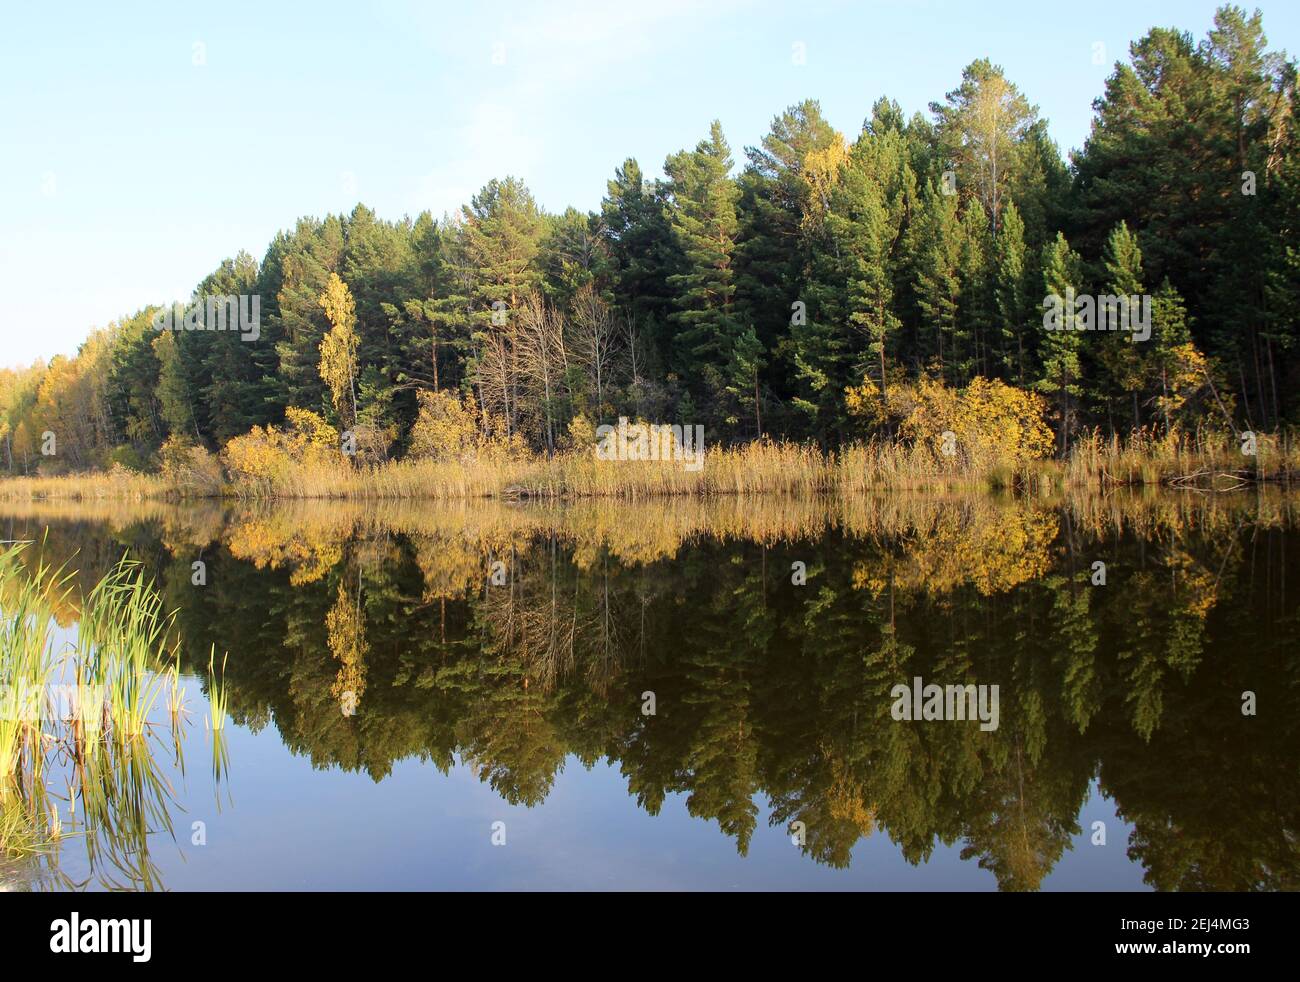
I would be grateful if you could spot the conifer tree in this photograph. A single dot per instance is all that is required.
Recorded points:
(935, 258)
(1122, 362)
(644, 253)
(1060, 376)
(975, 287)
(702, 211)
(1011, 295)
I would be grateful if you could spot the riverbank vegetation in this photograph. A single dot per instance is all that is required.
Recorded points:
(284, 462)
(82, 717)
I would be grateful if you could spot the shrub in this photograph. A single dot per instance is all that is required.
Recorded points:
(445, 428)
(372, 442)
(266, 456)
(190, 468)
(448, 428)
(582, 433)
(994, 426)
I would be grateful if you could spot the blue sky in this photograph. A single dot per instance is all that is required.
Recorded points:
(142, 143)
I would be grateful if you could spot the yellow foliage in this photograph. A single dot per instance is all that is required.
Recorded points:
(264, 455)
(985, 427)
(821, 173)
(310, 430)
(846, 798)
(1185, 374)
(446, 428)
(338, 349)
(864, 402)
(991, 547)
(451, 429)
(346, 636)
(309, 552)
(582, 432)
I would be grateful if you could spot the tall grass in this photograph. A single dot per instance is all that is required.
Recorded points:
(111, 677)
(763, 466)
(27, 665)
(218, 698)
(126, 654)
(115, 485)
(1204, 459)
(760, 467)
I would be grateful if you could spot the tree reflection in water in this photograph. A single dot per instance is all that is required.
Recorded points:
(371, 633)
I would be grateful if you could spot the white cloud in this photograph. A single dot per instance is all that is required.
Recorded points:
(554, 53)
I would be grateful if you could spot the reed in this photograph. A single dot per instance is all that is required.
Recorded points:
(114, 673)
(218, 699)
(118, 484)
(757, 468)
(28, 662)
(1200, 460)
(124, 648)
(1206, 459)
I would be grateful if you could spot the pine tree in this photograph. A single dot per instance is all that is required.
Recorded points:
(502, 230)
(702, 211)
(1012, 298)
(1060, 376)
(500, 234)
(173, 392)
(1123, 367)
(234, 377)
(306, 257)
(975, 303)
(859, 223)
(634, 224)
(935, 258)
(1182, 372)
(573, 254)
(772, 252)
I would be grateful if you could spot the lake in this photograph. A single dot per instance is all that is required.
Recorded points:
(701, 694)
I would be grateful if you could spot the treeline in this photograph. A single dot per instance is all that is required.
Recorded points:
(802, 297)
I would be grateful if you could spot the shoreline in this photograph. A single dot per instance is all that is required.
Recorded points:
(789, 470)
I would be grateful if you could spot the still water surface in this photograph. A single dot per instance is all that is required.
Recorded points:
(390, 703)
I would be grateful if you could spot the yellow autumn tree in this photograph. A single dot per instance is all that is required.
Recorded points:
(821, 173)
(338, 349)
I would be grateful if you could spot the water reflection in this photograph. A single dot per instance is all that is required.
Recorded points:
(371, 633)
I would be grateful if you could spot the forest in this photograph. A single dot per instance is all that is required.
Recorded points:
(812, 289)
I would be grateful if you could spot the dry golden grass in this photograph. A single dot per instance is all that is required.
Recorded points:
(763, 467)
(1201, 461)
(118, 484)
